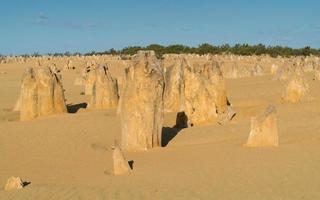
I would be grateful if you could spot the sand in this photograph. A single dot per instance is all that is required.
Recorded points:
(70, 157)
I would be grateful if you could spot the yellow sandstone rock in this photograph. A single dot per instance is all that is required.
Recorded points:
(142, 103)
(264, 129)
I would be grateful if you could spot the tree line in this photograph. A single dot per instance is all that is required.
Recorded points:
(238, 49)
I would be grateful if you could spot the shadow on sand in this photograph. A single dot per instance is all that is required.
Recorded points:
(73, 108)
(169, 133)
(131, 162)
(25, 183)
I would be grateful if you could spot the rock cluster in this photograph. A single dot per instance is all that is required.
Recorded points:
(199, 90)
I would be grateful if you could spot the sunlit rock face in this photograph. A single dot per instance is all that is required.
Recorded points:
(198, 89)
(28, 105)
(296, 90)
(142, 103)
(42, 94)
(90, 77)
(105, 90)
(264, 129)
(13, 183)
(174, 87)
(199, 105)
(120, 163)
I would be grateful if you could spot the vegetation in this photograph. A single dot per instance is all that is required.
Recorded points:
(238, 49)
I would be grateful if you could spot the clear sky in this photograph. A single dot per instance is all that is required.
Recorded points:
(48, 26)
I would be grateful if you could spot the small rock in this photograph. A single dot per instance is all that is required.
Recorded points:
(120, 164)
(296, 90)
(264, 129)
(13, 183)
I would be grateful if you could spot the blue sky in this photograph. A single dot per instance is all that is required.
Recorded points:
(47, 26)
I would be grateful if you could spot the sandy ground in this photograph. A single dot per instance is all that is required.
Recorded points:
(69, 156)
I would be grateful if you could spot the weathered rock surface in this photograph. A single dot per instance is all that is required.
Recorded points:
(105, 90)
(297, 89)
(41, 94)
(45, 82)
(142, 103)
(174, 90)
(120, 164)
(28, 102)
(200, 105)
(13, 183)
(205, 94)
(196, 86)
(264, 129)
(90, 79)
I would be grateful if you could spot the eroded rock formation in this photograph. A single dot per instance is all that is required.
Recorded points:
(142, 103)
(28, 101)
(120, 164)
(264, 129)
(90, 79)
(13, 183)
(296, 90)
(198, 89)
(174, 90)
(41, 94)
(105, 90)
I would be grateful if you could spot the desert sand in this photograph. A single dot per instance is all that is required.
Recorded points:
(69, 156)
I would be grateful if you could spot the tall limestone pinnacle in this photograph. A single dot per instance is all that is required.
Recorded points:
(142, 103)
